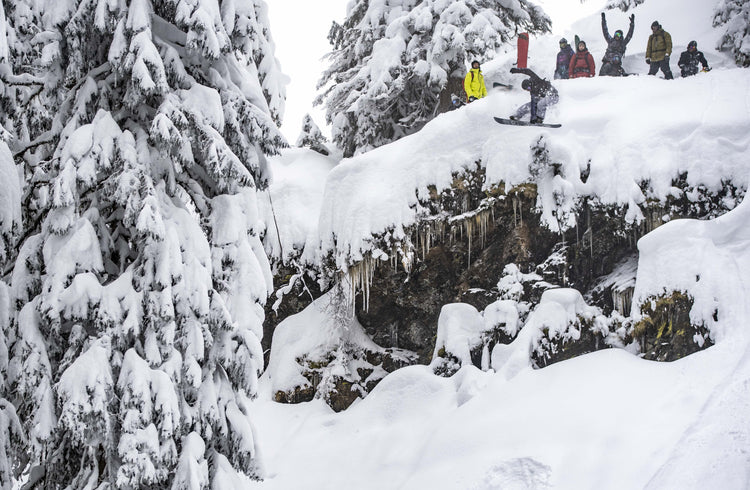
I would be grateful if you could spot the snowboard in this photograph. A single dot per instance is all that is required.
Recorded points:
(523, 50)
(511, 122)
(501, 85)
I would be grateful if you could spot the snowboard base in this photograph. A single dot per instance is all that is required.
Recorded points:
(511, 122)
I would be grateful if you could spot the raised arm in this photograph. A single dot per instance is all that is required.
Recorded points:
(631, 29)
(525, 71)
(605, 31)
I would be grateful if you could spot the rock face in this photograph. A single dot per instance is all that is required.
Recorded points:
(404, 308)
(460, 252)
(343, 376)
(666, 333)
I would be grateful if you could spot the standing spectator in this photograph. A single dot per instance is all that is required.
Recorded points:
(690, 59)
(474, 83)
(616, 46)
(582, 63)
(658, 50)
(563, 60)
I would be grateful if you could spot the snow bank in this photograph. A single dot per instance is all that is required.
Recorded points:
(293, 201)
(314, 333)
(627, 130)
(709, 260)
(603, 420)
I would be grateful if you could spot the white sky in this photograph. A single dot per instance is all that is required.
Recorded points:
(300, 30)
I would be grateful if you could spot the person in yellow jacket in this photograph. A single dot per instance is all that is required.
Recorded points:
(474, 83)
(658, 50)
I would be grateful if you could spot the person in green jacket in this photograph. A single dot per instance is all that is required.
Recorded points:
(658, 50)
(474, 83)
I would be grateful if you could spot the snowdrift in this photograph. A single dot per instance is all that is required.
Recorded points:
(603, 420)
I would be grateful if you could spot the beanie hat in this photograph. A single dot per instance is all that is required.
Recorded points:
(656, 24)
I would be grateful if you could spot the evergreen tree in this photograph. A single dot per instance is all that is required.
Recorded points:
(11, 434)
(137, 293)
(623, 5)
(392, 59)
(734, 15)
(311, 137)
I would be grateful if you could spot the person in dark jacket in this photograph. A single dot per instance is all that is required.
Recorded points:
(563, 60)
(543, 95)
(616, 46)
(582, 63)
(690, 59)
(658, 50)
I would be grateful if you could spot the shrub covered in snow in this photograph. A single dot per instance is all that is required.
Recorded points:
(734, 17)
(311, 137)
(623, 5)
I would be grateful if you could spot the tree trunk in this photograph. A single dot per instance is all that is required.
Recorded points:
(455, 86)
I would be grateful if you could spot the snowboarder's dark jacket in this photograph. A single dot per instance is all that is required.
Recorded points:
(689, 61)
(616, 45)
(563, 62)
(540, 87)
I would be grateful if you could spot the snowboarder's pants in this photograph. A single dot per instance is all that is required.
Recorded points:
(537, 107)
(689, 70)
(611, 70)
(664, 65)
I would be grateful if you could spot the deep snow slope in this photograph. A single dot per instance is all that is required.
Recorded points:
(603, 420)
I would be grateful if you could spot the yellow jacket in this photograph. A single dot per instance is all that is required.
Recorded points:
(474, 84)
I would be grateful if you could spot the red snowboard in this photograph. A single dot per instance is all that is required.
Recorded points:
(523, 49)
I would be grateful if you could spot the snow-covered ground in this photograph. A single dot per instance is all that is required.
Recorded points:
(603, 420)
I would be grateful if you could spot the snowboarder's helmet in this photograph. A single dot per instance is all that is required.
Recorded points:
(563, 42)
(526, 85)
(618, 33)
(692, 45)
(655, 25)
(475, 62)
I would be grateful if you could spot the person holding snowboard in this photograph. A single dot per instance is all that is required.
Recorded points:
(689, 60)
(474, 83)
(563, 60)
(543, 95)
(616, 45)
(658, 50)
(582, 63)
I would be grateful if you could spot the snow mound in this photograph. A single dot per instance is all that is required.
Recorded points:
(623, 131)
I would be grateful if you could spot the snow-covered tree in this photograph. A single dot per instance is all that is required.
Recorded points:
(11, 433)
(623, 5)
(137, 294)
(392, 59)
(311, 137)
(734, 15)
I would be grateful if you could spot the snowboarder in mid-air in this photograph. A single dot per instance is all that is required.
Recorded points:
(690, 59)
(543, 95)
(563, 60)
(616, 46)
(474, 83)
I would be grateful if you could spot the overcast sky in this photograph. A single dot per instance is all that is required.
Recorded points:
(300, 30)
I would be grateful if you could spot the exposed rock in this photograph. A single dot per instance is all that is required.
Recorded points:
(343, 376)
(665, 333)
